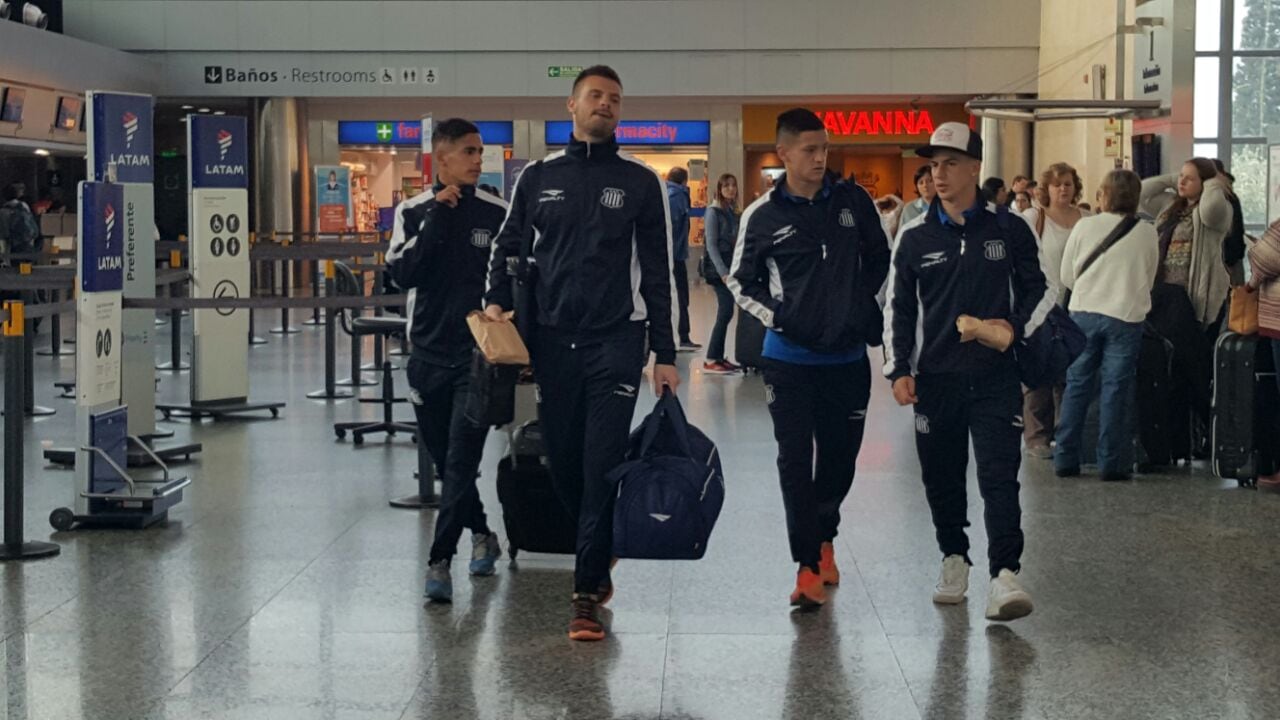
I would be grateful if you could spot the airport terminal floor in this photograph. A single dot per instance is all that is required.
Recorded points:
(285, 587)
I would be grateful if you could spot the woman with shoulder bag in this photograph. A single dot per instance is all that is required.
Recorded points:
(721, 222)
(1264, 263)
(1108, 267)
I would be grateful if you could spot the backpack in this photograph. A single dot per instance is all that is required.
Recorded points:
(670, 489)
(19, 228)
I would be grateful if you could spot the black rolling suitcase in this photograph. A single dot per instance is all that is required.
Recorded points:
(1246, 408)
(535, 519)
(748, 342)
(1164, 406)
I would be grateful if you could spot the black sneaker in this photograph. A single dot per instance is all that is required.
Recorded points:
(689, 346)
(584, 623)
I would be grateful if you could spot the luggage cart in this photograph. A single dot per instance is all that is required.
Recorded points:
(114, 497)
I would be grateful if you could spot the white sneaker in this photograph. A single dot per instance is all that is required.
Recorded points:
(1007, 601)
(953, 582)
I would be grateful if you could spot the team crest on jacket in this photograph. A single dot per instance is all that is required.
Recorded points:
(993, 250)
(480, 237)
(846, 217)
(612, 198)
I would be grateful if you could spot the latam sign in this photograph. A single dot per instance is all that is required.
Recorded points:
(409, 132)
(121, 134)
(219, 151)
(102, 237)
(877, 122)
(642, 132)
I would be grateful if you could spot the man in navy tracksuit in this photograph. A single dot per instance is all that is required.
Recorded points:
(810, 257)
(440, 253)
(601, 278)
(965, 257)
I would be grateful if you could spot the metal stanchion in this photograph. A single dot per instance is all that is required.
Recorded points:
(330, 392)
(286, 280)
(15, 357)
(253, 285)
(28, 371)
(175, 329)
(426, 496)
(56, 348)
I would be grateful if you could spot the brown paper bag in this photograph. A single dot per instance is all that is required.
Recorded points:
(499, 341)
(1243, 319)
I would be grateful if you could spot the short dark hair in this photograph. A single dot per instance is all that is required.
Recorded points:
(920, 173)
(678, 175)
(452, 130)
(11, 192)
(603, 71)
(1121, 191)
(798, 120)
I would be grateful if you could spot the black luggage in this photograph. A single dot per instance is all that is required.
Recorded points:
(491, 396)
(531, 511)
(1246, 406)
(748, 342)
(1164, 405)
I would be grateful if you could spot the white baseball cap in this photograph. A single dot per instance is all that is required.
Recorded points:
(953, 136)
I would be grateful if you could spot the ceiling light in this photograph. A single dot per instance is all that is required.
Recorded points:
(204, 110)
(42, 152)
(219, 112)
(188, 107)
(182, 119)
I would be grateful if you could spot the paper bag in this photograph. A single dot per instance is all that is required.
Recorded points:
(1243, 319)
(498, 340)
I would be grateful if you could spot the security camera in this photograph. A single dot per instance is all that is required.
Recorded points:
(33, 16)
(5, 9)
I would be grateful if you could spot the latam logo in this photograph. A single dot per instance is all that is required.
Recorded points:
(224, 144)
(109, 261)
(878, 122)
(130, 123)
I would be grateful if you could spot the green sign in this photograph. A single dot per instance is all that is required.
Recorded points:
(555, 71)
(384, 132)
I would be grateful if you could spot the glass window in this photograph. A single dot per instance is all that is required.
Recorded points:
(1257, 24)
(1208, 25)
(1204, 150)
(1249, 165)
(1207, 100)
(1255, 91)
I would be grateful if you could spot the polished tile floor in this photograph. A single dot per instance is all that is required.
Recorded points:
(285, 587)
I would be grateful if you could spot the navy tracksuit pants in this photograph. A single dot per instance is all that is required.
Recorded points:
(586, 398)
(819, 413)
(456, 446)
(988, 407)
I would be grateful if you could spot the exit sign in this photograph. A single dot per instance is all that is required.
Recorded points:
(557, 71)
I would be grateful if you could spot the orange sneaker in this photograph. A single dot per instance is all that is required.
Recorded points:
(827, 565)
(585, 624)
(809, 592)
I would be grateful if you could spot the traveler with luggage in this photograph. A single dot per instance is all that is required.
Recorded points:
(1053, 224)
(966, 259)
(439, 253)
(1193, 219)
(1108, 267)
(19, 229)
(810, 257)
(588, 234)
(1264, 262)
(721, 223)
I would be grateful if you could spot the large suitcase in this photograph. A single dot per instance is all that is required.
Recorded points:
(531, 511)
(1246, 406)
(748, 341)
(1164, 406)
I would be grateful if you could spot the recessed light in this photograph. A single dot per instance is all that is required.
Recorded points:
(188, 107)
(219, 112)
(182, 119)
(204, 110)
(42, 152)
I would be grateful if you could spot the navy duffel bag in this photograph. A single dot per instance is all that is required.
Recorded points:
(670, 489)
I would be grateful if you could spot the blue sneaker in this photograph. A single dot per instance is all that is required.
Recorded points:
(439, 582)
(485, 551)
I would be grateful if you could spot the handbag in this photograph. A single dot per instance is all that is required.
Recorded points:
(491, 394)
(1243, 318)
(1121, 229)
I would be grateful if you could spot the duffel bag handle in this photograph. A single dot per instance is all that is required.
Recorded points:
(668, 408)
